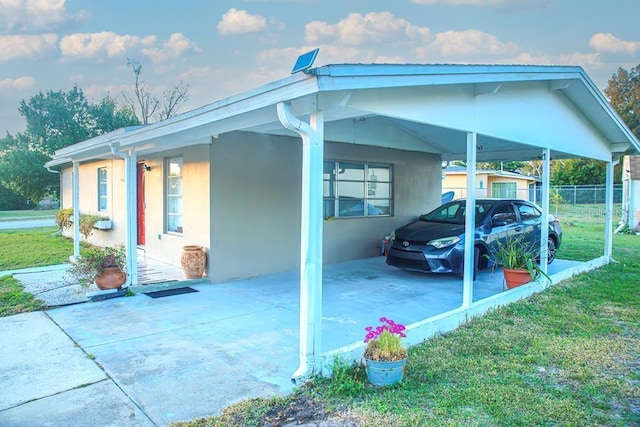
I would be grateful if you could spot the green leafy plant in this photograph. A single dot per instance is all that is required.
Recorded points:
(94, 261)
(384, 343)
(514, 253)
(64, 220)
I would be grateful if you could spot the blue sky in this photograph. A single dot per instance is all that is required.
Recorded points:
(221, 48)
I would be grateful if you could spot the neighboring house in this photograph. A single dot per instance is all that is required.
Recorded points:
(317, 167)
(631, 191)
(490, 183)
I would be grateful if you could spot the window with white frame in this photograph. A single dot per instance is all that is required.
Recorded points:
(504, 190)
(174, 194)
(102, 189)
(353, 189)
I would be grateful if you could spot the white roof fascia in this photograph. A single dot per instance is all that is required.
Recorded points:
(287, 89)
(94, 143)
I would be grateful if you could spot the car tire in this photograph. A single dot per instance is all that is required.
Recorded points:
(551, 250)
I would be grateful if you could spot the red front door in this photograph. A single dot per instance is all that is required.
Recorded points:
(141, 204)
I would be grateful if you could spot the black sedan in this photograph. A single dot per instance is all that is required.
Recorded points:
(435, 242)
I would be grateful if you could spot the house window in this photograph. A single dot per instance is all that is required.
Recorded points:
(102, 189)
(504, 190)
(357, 189)
(174, 194)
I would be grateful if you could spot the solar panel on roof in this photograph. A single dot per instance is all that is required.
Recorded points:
(305, 61)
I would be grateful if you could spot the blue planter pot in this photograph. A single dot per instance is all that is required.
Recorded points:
(385, 373)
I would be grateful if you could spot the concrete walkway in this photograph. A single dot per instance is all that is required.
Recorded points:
(144, 361)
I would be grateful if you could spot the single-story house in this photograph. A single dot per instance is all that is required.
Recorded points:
(317, 167)
(490, 183)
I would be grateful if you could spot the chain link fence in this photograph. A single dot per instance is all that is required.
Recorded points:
(571, 194)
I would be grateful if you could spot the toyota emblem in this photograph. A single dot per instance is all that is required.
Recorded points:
(405, 244)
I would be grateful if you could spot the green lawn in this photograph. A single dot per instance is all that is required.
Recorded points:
(566, 357)
(36, 247)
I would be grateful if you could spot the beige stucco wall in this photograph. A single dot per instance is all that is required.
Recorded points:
(167, 246)
(457, 182)
(255, 218)
(88, 183)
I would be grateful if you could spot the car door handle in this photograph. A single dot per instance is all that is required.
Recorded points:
(518, 229)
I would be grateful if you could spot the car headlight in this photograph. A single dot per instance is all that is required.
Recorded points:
(392, 236)
(444, 242)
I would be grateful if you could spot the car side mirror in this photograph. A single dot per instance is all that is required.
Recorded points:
(499, 220)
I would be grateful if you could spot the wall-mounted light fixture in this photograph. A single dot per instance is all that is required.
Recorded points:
(146, 167)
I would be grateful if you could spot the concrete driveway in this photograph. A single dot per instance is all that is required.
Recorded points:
(27, 223)
(144, 361)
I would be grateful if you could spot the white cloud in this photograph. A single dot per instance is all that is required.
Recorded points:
(240, 22)
(452, 44)
(101, 45)
(609, 43)
(177, 45)
(357, 29)
(27, 47)
(36, 15)
(20, 83)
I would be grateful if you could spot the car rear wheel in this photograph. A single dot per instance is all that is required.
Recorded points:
(551, 250)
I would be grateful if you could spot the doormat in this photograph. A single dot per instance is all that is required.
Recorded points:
(170, 292)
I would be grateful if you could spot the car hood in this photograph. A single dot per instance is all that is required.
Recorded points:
(425, 231)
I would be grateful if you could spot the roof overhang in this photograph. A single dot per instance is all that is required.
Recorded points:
(516, 111)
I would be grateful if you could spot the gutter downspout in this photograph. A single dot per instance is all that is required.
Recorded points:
(130, 161)
(48, 168)
(311, 225)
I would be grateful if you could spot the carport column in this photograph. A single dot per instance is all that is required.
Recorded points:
(76, 210)
(469, 222)
(131, 220)
(544, 198)
(311, 223)
(608, 217)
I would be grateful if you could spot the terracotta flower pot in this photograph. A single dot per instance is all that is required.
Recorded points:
(515, 278)
(111, 278)
(193, 260)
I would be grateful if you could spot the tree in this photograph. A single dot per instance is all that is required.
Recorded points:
(623, 90)
(581, 172)
(148, 107)
(55, 119)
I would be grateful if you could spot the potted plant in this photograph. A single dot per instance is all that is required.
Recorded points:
(104, 266)
(518, 260)
(385, 354)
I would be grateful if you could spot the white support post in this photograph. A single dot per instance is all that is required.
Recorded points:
(311, 225)
(608, 217)
(131, 220)
(544, 198)
(131, 182)
(316, 223)
(76, 210)
(470, 222)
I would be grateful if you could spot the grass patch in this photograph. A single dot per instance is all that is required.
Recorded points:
(35, 247)
(14, 300)
(567, 356)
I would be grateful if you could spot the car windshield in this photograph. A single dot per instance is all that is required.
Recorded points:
(454, 212)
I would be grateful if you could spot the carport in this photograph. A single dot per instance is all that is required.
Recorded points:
(454, 112)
